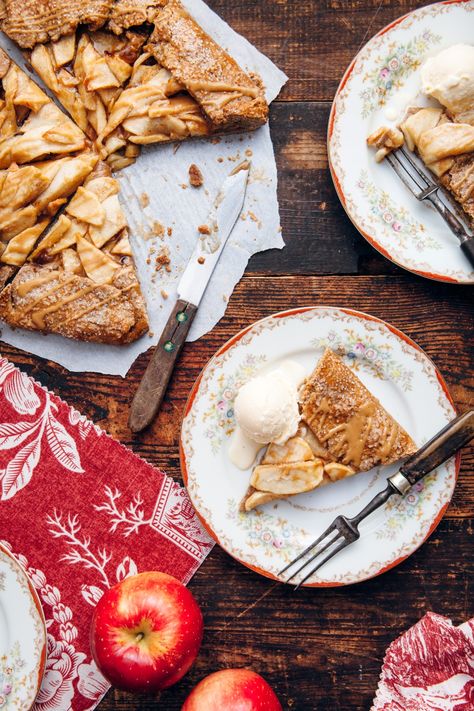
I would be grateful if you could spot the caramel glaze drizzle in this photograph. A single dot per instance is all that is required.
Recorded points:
(196, 85)
(39, 316)
(25, 287)
(354, 434)
(84, 312)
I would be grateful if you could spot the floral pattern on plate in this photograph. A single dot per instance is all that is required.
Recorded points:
(391, 69)
(396, 371)
(22, 637)
(376, 358)
(395, 221)
(376, 90)
(219, 417)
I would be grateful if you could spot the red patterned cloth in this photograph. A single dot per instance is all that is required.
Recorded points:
(429, 668)
(80, 512)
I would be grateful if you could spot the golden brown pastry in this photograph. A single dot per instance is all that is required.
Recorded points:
(133, 13)
(229, 98)
(29, 22)
(80, 280)
(348, 420)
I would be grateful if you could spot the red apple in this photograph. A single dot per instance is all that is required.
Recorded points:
(232, 690)
(146, 632)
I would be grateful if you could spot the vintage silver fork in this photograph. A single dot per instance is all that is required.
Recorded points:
(344, 531)
(423, 187)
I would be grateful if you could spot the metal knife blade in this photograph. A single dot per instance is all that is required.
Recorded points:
(220, 223)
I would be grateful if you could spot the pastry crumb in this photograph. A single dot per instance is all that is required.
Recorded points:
(204, 229)
(225, 298)
(158, 229)
(169, 231)
(184, 186)
(164, 294)
(220, 159)
(201, 260)
(144, 199)
(249, 152)
(196, 178)
(215, 140)
(163, 260)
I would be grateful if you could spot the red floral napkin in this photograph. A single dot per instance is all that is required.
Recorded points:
(429, 668)
(81, 512)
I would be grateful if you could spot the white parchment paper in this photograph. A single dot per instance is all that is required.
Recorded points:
(164, 213)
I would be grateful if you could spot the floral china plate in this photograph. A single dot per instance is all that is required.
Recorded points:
(22, 637)
(379, 85)
(394, 368)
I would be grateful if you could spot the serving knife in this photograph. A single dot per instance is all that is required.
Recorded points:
(192, 285)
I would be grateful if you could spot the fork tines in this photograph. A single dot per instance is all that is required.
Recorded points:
(336, 537)
(416, 180)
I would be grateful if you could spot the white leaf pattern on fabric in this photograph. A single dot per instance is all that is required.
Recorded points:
(57, 689)
(91, 594)
(62, 445)
(12, 434)
(6, 368)
(91, 683)
(20, 393)
(126, 568)
(19, 471)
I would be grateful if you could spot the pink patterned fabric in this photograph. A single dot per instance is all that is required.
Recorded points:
(81, 512)
(429, 668)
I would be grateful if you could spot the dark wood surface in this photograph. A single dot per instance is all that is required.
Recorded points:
(320, 649)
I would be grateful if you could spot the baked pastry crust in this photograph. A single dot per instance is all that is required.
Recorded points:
(29, 22)
(133, 13)
(348, 420)
(228, 96)
(80, 281)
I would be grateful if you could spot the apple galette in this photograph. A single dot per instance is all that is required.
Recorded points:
(128, 73)
(163, 80)
(344, 430)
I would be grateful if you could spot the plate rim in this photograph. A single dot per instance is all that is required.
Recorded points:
(371, 239)
(38, 606)
(237, 337)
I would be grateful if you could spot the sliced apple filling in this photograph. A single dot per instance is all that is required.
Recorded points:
(292, 468)
(30, 195)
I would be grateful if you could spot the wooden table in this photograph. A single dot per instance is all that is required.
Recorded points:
(320, 649)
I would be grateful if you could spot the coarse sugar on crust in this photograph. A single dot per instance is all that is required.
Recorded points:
(350, 421)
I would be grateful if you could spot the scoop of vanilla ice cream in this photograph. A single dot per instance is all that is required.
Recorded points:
(266, 408)
(449, 78)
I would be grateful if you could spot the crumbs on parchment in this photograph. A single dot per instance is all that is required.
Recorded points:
(196, 178)
(144, 199)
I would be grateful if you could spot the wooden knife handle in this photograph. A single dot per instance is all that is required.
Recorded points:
(443, 445)
(153, 385)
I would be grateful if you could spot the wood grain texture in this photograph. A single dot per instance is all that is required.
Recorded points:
(320, 649)
(312, 41)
